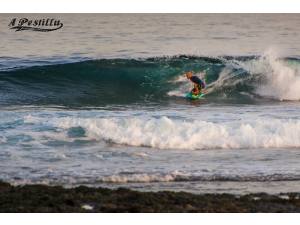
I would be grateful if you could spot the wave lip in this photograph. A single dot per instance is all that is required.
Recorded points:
(275, 77)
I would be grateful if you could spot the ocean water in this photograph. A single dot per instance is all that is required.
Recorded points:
(101, 102)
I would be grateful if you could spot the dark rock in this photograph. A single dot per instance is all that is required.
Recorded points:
(43, 198)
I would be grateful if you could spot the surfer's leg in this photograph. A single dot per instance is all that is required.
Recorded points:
(199, 89)
(195, 91)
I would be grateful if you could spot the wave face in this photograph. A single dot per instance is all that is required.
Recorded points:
(124, 81)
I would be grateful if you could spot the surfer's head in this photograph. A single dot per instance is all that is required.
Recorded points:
(189, 74)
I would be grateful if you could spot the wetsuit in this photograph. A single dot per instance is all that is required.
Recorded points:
(197, 81)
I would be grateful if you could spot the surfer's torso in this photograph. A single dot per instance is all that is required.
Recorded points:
(198, 81)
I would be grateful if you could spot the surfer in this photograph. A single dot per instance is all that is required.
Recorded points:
(198, 83)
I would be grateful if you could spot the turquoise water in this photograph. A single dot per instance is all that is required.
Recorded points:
(101, 102)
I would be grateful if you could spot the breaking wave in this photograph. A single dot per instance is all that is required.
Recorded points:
(169, 133)
(243, 79)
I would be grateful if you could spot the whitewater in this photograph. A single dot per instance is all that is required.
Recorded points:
(106, 107)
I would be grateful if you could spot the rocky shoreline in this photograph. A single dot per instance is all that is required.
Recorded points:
(43, 198)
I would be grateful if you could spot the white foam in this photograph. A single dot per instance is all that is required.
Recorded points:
(140, 154)
(280, 80)
(87, 207)
(142, 178)
(3, 139)
(285, 197)
(60, 156)
(167, 133)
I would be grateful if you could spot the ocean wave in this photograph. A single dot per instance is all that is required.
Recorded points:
(169, 133)
(124, 81)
